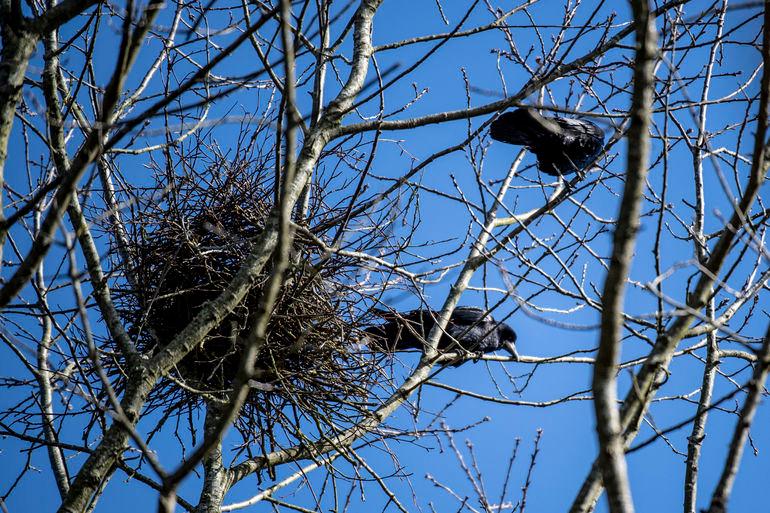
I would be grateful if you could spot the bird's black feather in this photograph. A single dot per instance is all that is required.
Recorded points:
(562, 145)
(468, 329)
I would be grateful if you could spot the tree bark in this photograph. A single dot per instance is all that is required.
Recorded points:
(612, 460)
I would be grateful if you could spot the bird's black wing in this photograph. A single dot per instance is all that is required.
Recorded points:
(401, 330)
(467, 315)
(576, 146)
(524, 127)
(471, 328)
(562, 145)
(580, 127)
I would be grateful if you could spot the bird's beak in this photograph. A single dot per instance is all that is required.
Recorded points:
(511, 348)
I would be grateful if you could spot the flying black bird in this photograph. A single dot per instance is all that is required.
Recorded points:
(562, 145)
(468, 330)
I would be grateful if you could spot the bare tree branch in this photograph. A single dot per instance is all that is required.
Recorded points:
(611, 452)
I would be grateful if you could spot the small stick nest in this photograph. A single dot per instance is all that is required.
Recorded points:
(186, 250)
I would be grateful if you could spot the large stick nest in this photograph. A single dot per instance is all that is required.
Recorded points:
(185, 249)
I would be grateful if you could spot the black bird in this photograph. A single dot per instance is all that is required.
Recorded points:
(468, 330)
(562, 145)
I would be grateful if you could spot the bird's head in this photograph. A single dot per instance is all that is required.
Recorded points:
(508, 340)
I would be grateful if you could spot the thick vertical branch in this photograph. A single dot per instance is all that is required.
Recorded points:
(756, 384)
(647, 379)
(754, 389)
(78, 221)
(611, 451)
(319, 84)
(17, 47)
(698, 433)
(44, 379)
(215, 475)
(101, 463)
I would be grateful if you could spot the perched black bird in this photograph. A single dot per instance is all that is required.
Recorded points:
(468, 330)
(562, 145)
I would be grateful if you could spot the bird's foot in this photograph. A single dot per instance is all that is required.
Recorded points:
(475, 356)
